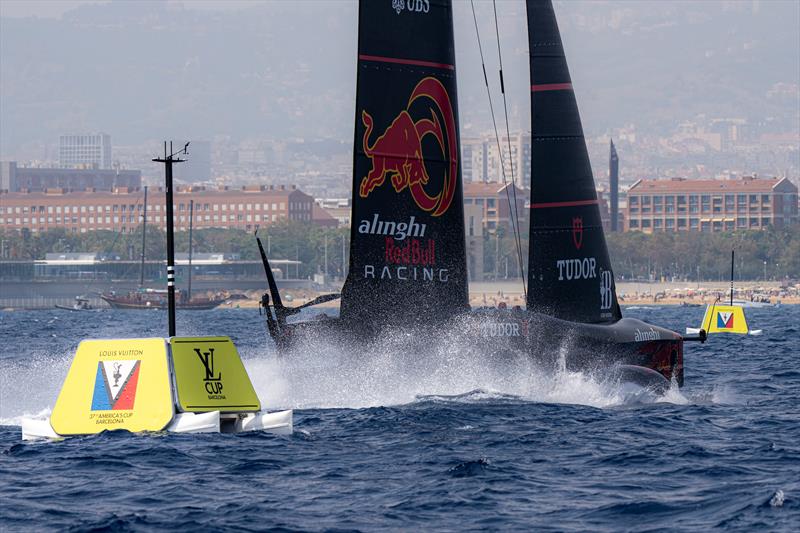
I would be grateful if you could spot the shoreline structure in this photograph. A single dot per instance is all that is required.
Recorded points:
(629, 293)
(509, 292)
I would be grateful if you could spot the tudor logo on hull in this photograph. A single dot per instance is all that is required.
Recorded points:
(397, 154)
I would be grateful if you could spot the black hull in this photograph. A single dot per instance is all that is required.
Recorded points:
(577, 346)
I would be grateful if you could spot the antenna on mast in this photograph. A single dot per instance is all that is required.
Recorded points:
(168, 161)
(731, 276)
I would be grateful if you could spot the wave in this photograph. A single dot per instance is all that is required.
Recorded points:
(386, 373)
(323, 375)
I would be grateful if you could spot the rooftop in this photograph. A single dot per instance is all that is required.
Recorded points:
(744, 185)
(474, 189)
(280, 191)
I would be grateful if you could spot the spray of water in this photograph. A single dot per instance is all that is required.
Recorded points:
(392, 371)
(397, 370)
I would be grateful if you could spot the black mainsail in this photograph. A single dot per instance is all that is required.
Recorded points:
(407, 251)
(569, 271)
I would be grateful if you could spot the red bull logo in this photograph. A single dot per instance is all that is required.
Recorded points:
(397, 153)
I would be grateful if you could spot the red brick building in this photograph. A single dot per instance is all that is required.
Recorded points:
(121, 209)
(710, 205)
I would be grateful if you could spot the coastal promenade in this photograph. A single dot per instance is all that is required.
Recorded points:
(510, 293)
(17, 295)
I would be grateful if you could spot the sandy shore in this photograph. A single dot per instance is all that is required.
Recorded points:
(636, 293)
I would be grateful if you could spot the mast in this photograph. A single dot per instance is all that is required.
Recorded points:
(191, 220)
(613, 179)
(168, 161)
(569, 270)
(144, 238)
(732, 277)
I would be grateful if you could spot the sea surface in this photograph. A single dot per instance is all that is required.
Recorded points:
(446, 440)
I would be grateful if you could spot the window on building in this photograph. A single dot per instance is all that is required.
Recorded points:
(764, 221)
(741, 222)
(753, 222)
(670, 223)
(633, 200)
(681, 223)
(753, 198)
(765, 198)
(694, 223)
(705, 226)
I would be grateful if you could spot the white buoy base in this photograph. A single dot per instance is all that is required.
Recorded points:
(279, 423)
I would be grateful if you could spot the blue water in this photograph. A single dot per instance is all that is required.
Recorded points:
(438, 441)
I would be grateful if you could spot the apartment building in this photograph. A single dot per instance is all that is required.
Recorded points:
(679, 204)
(14, 178)
(122, 209)
(493, 202)
(85, 151)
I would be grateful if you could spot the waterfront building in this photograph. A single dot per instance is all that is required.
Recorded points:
(473, 158)
(514, 150)
(473, 224)
(679, 204)
(16, 179)
(85, 151)
(121, 209)
(338, 208)
(493, 202)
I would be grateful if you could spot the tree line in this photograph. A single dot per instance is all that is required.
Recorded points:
(772, 254)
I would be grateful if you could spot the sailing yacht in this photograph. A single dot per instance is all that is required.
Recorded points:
(408, 274)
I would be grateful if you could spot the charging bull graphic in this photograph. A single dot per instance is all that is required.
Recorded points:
(398, 152)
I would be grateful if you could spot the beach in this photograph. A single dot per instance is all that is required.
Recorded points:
(510, 293)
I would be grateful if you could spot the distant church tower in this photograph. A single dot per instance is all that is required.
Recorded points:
(613, 178)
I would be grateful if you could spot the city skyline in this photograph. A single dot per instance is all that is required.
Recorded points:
(259, 106)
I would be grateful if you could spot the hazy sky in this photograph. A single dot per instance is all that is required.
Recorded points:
(280, 69)
(56, 8)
